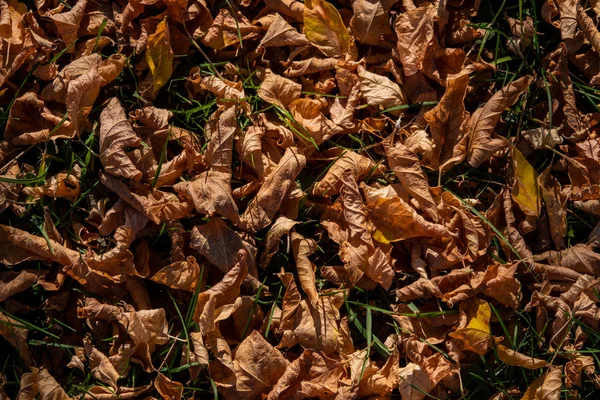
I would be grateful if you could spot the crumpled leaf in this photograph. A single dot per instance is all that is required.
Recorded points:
(13, 282)
(16, 334)
(40, 382)
(415, 33)
(449, 122)
(257, 366)
(67, 23)
(310, 375)
(220, 245)
(278, 90)
(61, 185)
(116, 135)
(266, 204)
(360, 166)
(484, 119)
(281, 33)
(371, 20)
(30, 122)
(211, 190)
(380, 91)
(156, 205)
(306, 269)
(102, 369)
(406, 165)
(280, 227)
(182, 275)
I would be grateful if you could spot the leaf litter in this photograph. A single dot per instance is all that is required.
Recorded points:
(289, 200)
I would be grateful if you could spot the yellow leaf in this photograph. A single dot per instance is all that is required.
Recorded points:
(325, 29)
(159, 56)
(526, 190)
(475, 336)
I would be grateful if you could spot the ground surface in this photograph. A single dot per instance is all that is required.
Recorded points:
(286, 200)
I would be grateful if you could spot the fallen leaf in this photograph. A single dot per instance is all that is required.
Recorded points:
(116, 136)
(449, 122)
(371, 20)
(310, 375)
(415, 33)
(511, 357)
(159, 56)
(278, 90)
(474, 329)
(324, 28)
(306, 269)
(257, 366)
(168, 389)
(281, 33)
(266, 204)
(484, 119)
(380, 91)
(526, 190)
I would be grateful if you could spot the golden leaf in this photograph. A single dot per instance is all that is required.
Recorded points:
(159, 56)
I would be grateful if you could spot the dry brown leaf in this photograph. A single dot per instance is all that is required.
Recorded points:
(357, 250)
(511, 357)
(17, 246)
(380, 91)
(30, 122)
(278, 90)
(13, 282)
(102, 369)
(40, 382)
(303, 248)
(576, 126)
(407, 167)
(310, 375)
(280, 227)
(182, 275)
(483, 121)
(281, 33)
(221, 245)
(116, 136)
(359, 165)
(168, 389)
(227, 30)
(211, 190)
(415, 32)
(449, 123)
(67, 23)
(156, 205)
(371, 20)
(396, 220)
(61, 185)
(16, 334)
(107, 393)
(257, 366)
(224, 292)
(555, 201)
(266, 204)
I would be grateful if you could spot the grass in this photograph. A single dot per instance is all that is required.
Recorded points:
(369, 314)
